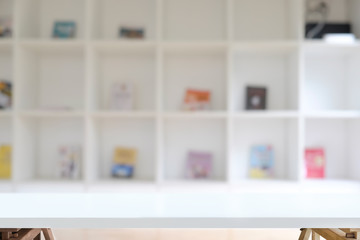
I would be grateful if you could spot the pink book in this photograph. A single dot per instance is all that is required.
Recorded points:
(315, 163)
(199, 165)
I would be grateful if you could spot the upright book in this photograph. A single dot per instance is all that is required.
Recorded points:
(199, 165)
(196, 99)
(5, 162)
(256, 98)
(5, 94)
(132, 32)
(69, 161)
(261, 161)
(124, 162)
(5, 27)
(315, 162)
(64, 29)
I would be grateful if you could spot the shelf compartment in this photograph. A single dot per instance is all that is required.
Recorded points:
(183, 135)
(6, 138)
(346, 11)
(274, 68)
(37, 17)
(51, 78)
(6, 130)
(7, 11)
(194, 20)
(339, 138)
(197, 69)
(135, 133)
(39, 139)
(110, 15)
(134, 65)
(6, 63)
(281, 134)
(266, 20)
(331, 78)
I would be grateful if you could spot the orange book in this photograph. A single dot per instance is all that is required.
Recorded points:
(197, 100)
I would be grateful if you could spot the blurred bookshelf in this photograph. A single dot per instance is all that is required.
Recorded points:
(220, 45)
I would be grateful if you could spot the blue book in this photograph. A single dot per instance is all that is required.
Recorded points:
(122, 171)
(64, 29)
(261, 161)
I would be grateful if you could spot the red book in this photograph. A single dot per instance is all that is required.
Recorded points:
(315, 162)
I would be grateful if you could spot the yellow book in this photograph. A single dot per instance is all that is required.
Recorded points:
(124, 162)
(5, 162)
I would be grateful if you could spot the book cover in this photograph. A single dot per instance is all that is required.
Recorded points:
(199, 165)
(315, 162)
(256, 98)
(5, 94)
(69, 161)
(261, 161)
(5, 162)
(196, 99)
(64, 29)
(5, 27)
(122, 96)
(132, 32)
(124, 162)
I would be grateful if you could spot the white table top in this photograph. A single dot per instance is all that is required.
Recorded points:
(179, 211)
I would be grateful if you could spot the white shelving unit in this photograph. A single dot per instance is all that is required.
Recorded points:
(220, 45)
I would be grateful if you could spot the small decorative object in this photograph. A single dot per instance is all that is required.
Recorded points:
(340, 38)
(196, 99)
(121, 96)
(5, 27)
(132, 33)
(5, 94)
(199, 165)
(124, 162)
(64, 29)
(69, 161)
(315, 162)
(261, 161)
(5, 161)
(256, 98)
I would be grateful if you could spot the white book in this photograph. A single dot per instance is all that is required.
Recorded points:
(122, 96)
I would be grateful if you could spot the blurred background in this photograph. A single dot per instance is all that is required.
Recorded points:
(180, 96)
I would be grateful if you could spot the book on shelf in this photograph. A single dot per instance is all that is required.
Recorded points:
(132, 32)
(196, 99)
(315, 162)
(256, 98)
(261, 161)
(5, 94)
(124, 161)
(69, 161)
(199, 165)
(5, 161)
(6, 27)
(122, 96)
(64, 29)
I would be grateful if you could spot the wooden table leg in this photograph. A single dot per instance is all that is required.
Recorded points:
(315, 236)
(48, 234)
(305, 234)
(38, 237)
(5, 235)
